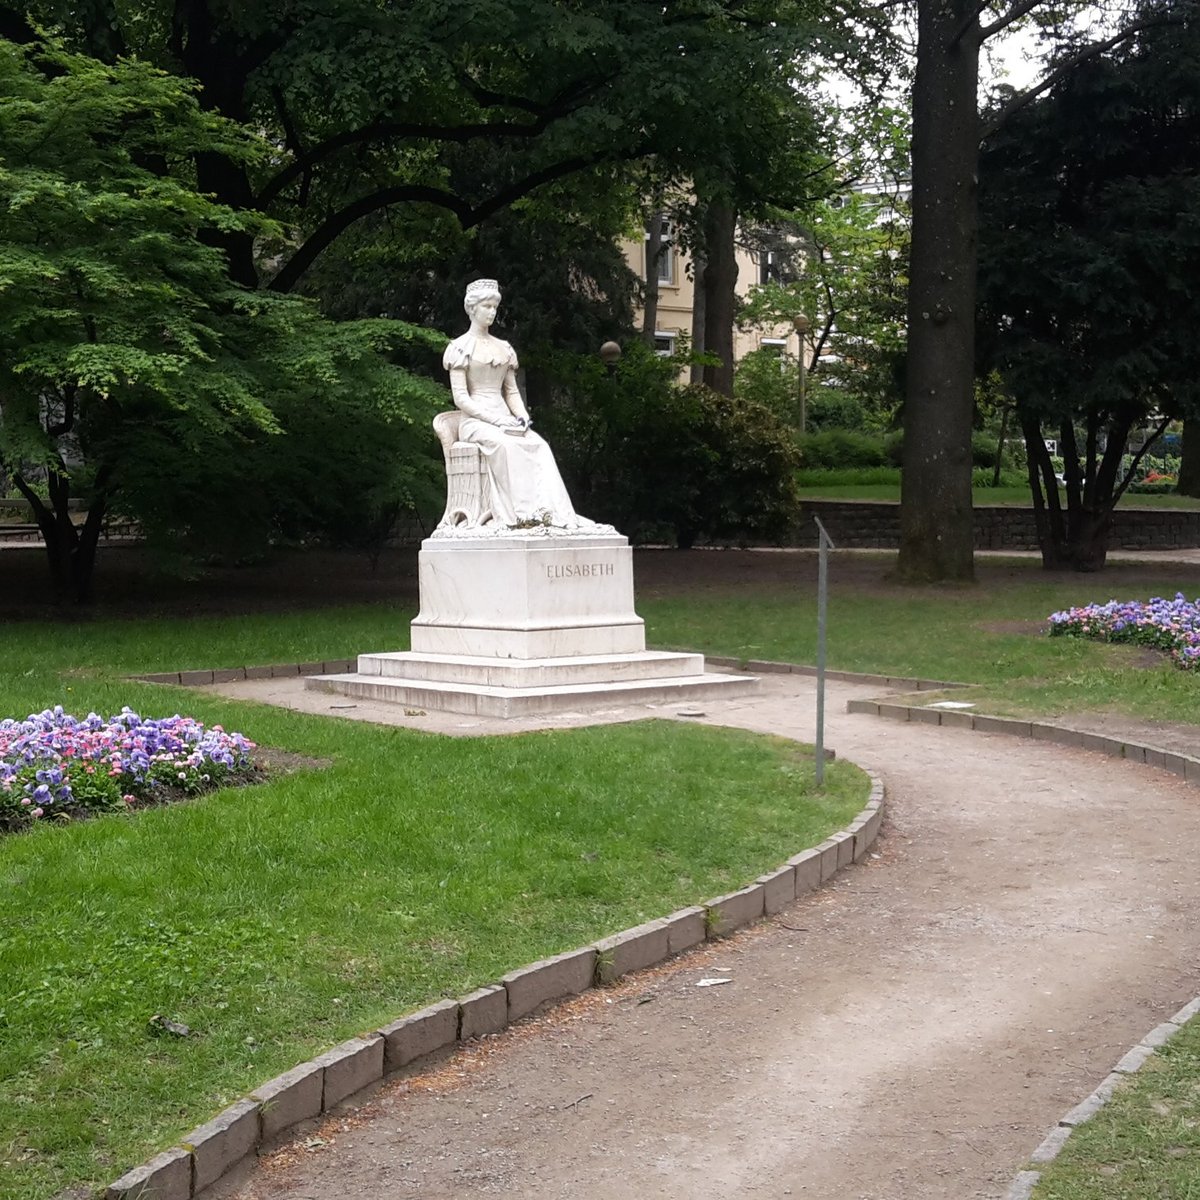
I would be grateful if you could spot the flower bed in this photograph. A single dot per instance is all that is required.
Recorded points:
(56, 766)
(1170, 625)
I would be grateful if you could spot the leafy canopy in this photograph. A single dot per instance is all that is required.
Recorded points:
(130, 364)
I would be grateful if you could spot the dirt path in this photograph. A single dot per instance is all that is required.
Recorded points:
(909, 1032)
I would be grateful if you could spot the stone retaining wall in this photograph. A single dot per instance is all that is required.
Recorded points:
(860, 524)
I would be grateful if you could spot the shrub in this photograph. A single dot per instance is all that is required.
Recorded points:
(841, 448)
(663, 462)
(983, 477)
(848, 476)
(1163, 485)
(713, 467)
(834, 408)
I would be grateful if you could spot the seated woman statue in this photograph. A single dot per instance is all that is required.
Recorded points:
(526, 485)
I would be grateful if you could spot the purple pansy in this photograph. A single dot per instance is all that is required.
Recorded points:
(53, 762)
(1170, 625)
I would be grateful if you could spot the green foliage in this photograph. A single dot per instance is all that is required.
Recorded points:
(839, 477)
(985, 477)
(842, 448)
(658, 459)
(772, 380)
(133, 372)
(1089, 252)
(843, 262)
(428, 110)
(835, 408)
(717, 468)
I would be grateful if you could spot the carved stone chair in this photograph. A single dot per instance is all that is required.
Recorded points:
(468, 486)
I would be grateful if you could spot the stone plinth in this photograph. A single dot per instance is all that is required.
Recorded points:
(527, 597)
(517, 624)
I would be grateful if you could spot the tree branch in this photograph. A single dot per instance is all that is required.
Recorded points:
(969, 20)
(1065, 67)
(68, 420)
(562, 105)
(1014, 14)
(468, 216)
(1137, 458)
(336, 224)
(41, 514)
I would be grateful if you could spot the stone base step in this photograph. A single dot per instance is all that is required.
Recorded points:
(569, 671)
(489, 701)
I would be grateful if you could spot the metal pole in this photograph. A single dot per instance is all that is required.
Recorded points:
(824, 544)
(803, 390)
(802, 325)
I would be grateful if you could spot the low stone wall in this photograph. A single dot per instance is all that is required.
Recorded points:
(861, 524)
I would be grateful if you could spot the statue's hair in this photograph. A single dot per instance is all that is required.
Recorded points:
(480, 289)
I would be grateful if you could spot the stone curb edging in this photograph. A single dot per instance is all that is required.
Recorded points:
(1130, 1063)
(316, 1087)
(336, 666)
(769, 667)
(1183, 765)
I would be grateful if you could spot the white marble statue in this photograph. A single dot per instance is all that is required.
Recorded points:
(525, 483)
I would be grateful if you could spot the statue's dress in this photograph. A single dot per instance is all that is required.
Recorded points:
(526, 485)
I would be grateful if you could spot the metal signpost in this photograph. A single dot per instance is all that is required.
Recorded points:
(824, 545)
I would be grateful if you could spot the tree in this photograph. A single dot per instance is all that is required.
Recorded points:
(936, 519)
(462, 109)
(130, 363)
(843, 264)
(1090, 251)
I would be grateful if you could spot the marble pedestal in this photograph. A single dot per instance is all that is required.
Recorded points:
(517, 624)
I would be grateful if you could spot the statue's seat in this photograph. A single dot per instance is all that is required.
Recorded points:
(468, 485)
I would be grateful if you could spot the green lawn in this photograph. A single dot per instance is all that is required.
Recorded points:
(278, 920)
(1017, 497)
(275, 921)
(991, 634)
(1144, 1144)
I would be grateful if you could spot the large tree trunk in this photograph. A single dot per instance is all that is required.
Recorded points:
(1189, 459)
(936, 518)
(720, 282)
(216, 60)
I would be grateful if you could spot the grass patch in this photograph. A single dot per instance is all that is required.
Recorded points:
(1144, 1144)
(811, 488)
(992, 635)
(277, 920)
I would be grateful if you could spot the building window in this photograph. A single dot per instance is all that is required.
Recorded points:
(664, 344)
(667, 253)
(775, 346)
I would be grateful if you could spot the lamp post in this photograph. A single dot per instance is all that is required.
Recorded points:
(802, 325)
(610, 355)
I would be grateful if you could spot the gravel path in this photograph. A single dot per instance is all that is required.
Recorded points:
(908, 1032)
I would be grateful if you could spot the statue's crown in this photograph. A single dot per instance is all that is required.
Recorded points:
(479, 288)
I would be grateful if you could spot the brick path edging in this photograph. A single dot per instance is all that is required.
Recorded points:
(306, 1091)
(1183, 765)
(1130, 1063)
